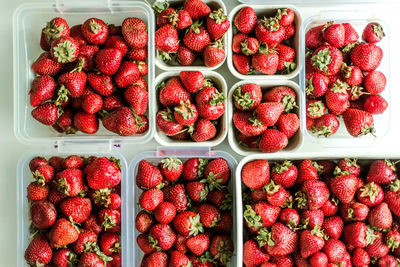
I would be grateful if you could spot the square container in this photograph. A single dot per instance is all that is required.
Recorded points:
(267, 10)
(198, 64)
(220, 84)
(381, 121)
(294, 142)
(28, 19)
(24, 178)
(276, 157)
(155, 157)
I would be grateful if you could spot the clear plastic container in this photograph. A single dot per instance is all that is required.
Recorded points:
(294, 142)
(28, 19)
(382, 121)
(198, 64)
(24, 178)
(155, 157)
(220, 84)
(267, 10)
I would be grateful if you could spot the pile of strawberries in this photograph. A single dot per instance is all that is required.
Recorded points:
(186, 218)
(255, 112)
(91, 71)
(321, 213)
(265, 45)
(341, 78)
(75, 212)
(180, 118)
(190, 31)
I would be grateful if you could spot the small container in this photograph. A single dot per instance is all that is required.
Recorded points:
(155, 157)
(24, 178)
(382, 122)
(220, 84)
(28, 20)
(267, 10)
(295, 141)
(198, 64)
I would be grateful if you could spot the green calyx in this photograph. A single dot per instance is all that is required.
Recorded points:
(263, 49)
(116, 248)
(218, 44)
(346, 70)
(215, 221)
(213, 182)
(325, 131)
(377, 29)
(317, 231)
(289, 66)
(356, 91)
(316, 109)
(171, 163)
(255, 121)
(207, 257)
(218, 16)
(367, 129)
(322, 59)
(62, 95)
(72, 259)
(204, 194)
(370, 235)
(195, 27)
(154, 243)
(108, 222)
(281, 12)
(217, 99)
(160, 6)
(395, 185)
(289, 102)
(64, 52)
(264, 237)
(370, 190)
(164, 56)
(309, 86)
(301, 200)
(391, 164)
(281, 167)
(243, 100)
(102, 197)
(272, 24)
(94, 26)
(94, 248)
(340, 87)
(39, 177)
(202, 165)
(326, 26)
(346, 49)
(271, 187)
(53, 32)
(350, 213)
(318, 167)
(79, 66)
(116, 161)
(186, 110)
(252, 218)
(196, 226)
(227, 202)
(339, 172)
(189, 264)
(167, 115)
(74, 224)
(288, 203)
(224, 254)
(245, 48)
(392, 243)
(63, 186)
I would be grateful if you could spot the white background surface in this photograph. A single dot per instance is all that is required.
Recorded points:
(11, 149)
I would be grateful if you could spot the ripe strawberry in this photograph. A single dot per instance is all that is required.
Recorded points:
(209, 215)
(375, 104)
(318, 259)
(165, 212)
(366, 56)
(282, 94)
(335, 250)
(180, 243)
(315, 109)
(43, 174)
(214, 53)
(375, 82)
(269, 31)
(171, 168)
(45, 65)
(133, 23)
(62, 233)
(85, 122)
(37, 162)
(95, 31)
(217, 173)
(314, 37)
(116, 42)
(144, 221)
(272, 141)
(166, 123)
(194, 168)
(108, 60)
(138, 98)
(185, 56)
(87, 240)
(110, 220)
(260, 215)
(285, 16)
(110, 243)
(73, 161)
(150, 199)
(337, 98)
(380, 216)
(143, 68)
(210, 103)
(312, 195)
(178, 259)
(358, 122)
(360, 257)
(312, 218)
(269, 112)
(92, 103)
(163, 15)
(333, 227)
(350, 34)
(137, 54)
(180, 19)
(284, 174)
(334, 34)
(265, 61)
(44, 43)
(63, 257)
(373, 33)
(248, 46)
(197, 191)
(166, 41)
(253, 255)
(43, 214)
(148, 175)
(289, 32)
(370, 194)
(316, 84)
(197, 37)
(56, 28)
(64, 50)
(172, 92)
(248, 124)
(326, 125)
(388, 260)
(192, 80)
(188, 223)
(258, 169)
(69, 181)
(382, 172)
(155, 259)
(308, 170)
(186, 113)
(245, 20)
(134, 32)
(289, 217)
(112, 102)
(123, 121)
(221, 248)
(217, 24)
(225, 223)
(242, 64)
(127, 74)
(327, 60)
(202, 130)
(46, 113)
(392, 240)
(344, 186)
(38, 251)
(197, 9)
(280, 241)
(162, 236)
(102, 84)
(90, 259)
(378, 248)
(198, 244)
(72, 84)
(247, 96)
(286, 56)
(311, 242)
(352, 74)
(77, 208)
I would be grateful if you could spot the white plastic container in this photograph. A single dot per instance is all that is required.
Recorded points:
(155, 157)
(267, 10)
(198, 64)
(382, 122)
(294, 142)
(220, 84)
(24, 178)
(28, 20)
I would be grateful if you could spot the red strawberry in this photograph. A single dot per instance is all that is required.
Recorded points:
(63, 257)
(186, 113)
(185, 56)
(316, 84)
(314, 37)
(63, 233)
(375, 104)
(69, 181)
(285, 16)
(334, 34)
(284, 174)
(38, 251)
(143, 68)
(366, 56)
(247, 96)
(289, 32)
(286, 56)
(143, 221)
(110, 220)
(150, 199)
(173, 92)
(258, 169)
(43, 174)
(265, 61)
(166, 123)
(45, 65)
(282, 94)
(86, 239)
(335, 250)
(245, 20)
(358, 122)
(175, 194)
(242, 64)
(43, 214)
(110, 243)
(209, 215)
(253, 255)
(337, 98)
(112, 102)
(90, 259)
(315, 109)
(178, 259)
(37, 162)
(55, 196)
(350, 34)
(375, 82)
(225, 223)
(349, 165)
(192, 80)
(311, 242)
(137, 54)
(85, 122)
(370, 194)
(217, 173)
(210, 103)
(155, 259)
(344, 186)
(138, 98)
(220, 198)
(272, 141)
(46, 113)
(95, 31)
(166, 40)
(289, 217)
(239, 40)
(134, 32)
(318, 259)
(133, 23)
(288, 124)
(221, 248)
(122, 121)
(380, 216)
(373, 33)
(165, 212)
(64, 50)
(102, 84)
(260, 215)
(162, 236)
(180, 19)
(269, 112)
(248, 124)
(382, 172)
(171, 168)
(269, 31)
(116, 42)
(56, 28)
(73, 161)
(197, 37)
(312, 195)
(308, 170)
(217, 24)
(312, 218)
(92, 103)
(388, 260)
(198, 244)
(352, 74)
(378, 248)
(127, 74)
(327, 60)
(197, 9)
(108, 60)
(333, 226)
(197, 191)
(326, 126)
(44, 43)
(203, 130)
(249, 46)
(214, 54)
(193, 168)
(148, 175)
(163, 15)
(77, 208)
(72, 84)
(280, 241)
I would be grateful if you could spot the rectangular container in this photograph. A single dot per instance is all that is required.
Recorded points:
(28, 19)
(220, 84)
(267, 10)
(155, 157)
(24, 178)
(198, 64)
(297, 156)
(295, 141)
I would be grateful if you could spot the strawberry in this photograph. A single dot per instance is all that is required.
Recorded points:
(352, 74)
(308, 170)
(333, 227)
(150, 199)
(289, 32)
(378, 248)
(108, 60)
(242, 64)
(239, 41)
(37, 162)
(197, 191)
(64, 50)
(388, 260)
(266, 60)
(370, 194)
(247, 96)
(138, 98)
(392, 240)
(350, 34)
(46, 113)
(38, 251)
(198, 244)
(326, 125)
(188, 223)
(209, 215)
(95, 31)
(148, 175)
(44, 43)
(133, 23)
(85, 122)
(375, 104)
(286, 56)
(110, 243)
(380, 216)
(373, 33)
(327, 60)
(312, 218)
(311, 242)
(73, 161)
(65, 122)
(214, 53)
(260, 215)
(245, 20)
(360, 257)
(110, 220)
(225, 223)
(194, 168)
(272, 141)
(43, 214)
(280, 241)
(171, 168)
(221, 248)
(315, 109)
(112, 102)
(45, 65)
(54, 196)
(253, 255)
(269, 112)
(162, 236)
(86, 241)
(166, 123)
(179, 259)
(63, 257)
(143, 68)
(122, 121)
(116, 42)
(282, 94)
(163, 14)
(334, 34)
(202, 130)
(62, 233)
(335, 250)
(192, 80)
(144, 221)
(134, 32)
(314, 37)
(316, 84)
(155, 259)
(358, 122)
(165, 212)
(269, 31)
(337, 98)
(382, 172)
(166, 40)
(256, 168)
(92, 103)
(196, 38)
(127, 74)
(276, 194)
(77, 208)
(102, 84)
(69, 181)
(285, 16)
(43, 174)
(90, 259)
(186, 113)
(247, 124)
(318, 259)
(284, 174)
(344, 186)
(289, 217)
(185, 56)
(137, 54)
(72, 85)
(180, 19)
(56, 28)
(210, 103)
(374, 82)
(180, 243)
(172, 92)
(217, 24)
(366, 56)
(217, 173)
(197, 9)
(312, 195)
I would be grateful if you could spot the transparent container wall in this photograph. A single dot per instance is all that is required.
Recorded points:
(198, 64)
(28, 21)
(155, 157)
(24, 178)
(294, 142)
(222, 128)
(381, 121)
(314, 2)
